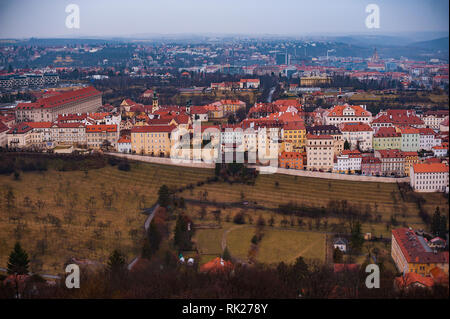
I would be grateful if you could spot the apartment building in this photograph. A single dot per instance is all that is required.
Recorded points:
(152, 140)
(392, 162)
(347, 114)
(429, 177)
(348, 161)
(319, 152)
(358, 135)
(47, 109)
(333, 131)
(101, 135)
(387, 138)
(411, 253)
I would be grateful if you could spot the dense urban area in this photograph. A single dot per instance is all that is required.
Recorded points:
(234, 167)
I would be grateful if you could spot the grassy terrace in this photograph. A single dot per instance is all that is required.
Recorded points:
(69, 224)
(120, 226)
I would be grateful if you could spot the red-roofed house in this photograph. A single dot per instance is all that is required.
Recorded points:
(293, 160)
(411, 253)
(19, 136)
(347, 113)
(371, 166)
(124, 144)
(429, 177)
(102, 135)
(154, 140)
(199, 113)
(348, 161)
(359, 135)
(392, 162)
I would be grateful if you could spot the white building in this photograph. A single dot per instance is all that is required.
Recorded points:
(429, 177)
(347, 114)
(358, 135)
(348, 161)
(440, 151)
(428, 139)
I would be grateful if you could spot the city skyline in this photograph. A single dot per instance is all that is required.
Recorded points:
(20, 19)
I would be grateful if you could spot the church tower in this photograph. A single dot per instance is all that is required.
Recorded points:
(188, 107)
(155, 106)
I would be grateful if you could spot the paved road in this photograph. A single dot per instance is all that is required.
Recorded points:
(151, 213)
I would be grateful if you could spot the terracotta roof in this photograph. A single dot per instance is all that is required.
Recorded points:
(411, 278)
(356, 127)
(319, 137)
(430, 168)
(338, 110)
(370, 160)
(153, 129)
(61, 98)
(217, 265)
(101, 128)
(414, 250)
(391, 153)
(387, 132)
(3, 127)
(39, 124)
(124, 139)
(291, 155)
(20, 129)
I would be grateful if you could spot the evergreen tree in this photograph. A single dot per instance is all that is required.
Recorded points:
(116, 262)
(153, 241)
(337, 256)
(226, 254)
(346, 145)
(18, 261)
(163, 196)
(182, 236)
(357, 239)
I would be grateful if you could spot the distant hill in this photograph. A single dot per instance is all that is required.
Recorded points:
(436, 44)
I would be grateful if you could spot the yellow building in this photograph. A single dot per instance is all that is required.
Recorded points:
(411, 253)
(296, 134)
(410, 159)
(152, 140)
(314, 80)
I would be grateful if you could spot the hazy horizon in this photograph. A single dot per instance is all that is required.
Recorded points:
(290, 18)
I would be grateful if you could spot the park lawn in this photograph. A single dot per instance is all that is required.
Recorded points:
(239, 241)
(286, 245)
(49, 245)
(208, 241)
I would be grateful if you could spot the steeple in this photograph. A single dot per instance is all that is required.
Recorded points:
(375, 56)
(188, 107)
(155, 106)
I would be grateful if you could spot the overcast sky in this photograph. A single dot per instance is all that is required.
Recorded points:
(45, 18)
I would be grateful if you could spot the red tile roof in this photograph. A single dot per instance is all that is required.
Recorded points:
(101, 128)
(40, 124)
(391, 153)
(20, 129)
(153, 129)
(387, 132)
(356, 127)
(61, 98)
(338, 110)
(413, 250)
(430, 168)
